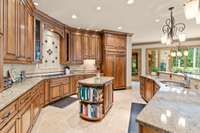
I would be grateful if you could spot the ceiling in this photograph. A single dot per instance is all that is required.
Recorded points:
(138, 18)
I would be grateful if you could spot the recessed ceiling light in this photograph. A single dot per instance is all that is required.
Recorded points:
(119, 28)
(130, 2)
(98, 8)
(157, 20)
(87, 29)
(74, 16)
(79, 27)
(35, 3)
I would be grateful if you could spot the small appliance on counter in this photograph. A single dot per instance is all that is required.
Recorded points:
(67, 70)
(7, 82)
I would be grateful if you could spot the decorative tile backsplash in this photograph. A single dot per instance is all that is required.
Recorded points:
(50, 60)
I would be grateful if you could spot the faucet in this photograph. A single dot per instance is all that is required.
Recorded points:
(187, 80)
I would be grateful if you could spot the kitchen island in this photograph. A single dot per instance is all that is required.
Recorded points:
(96, 97)
(171, 110)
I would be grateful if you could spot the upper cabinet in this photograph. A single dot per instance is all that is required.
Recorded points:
(1, 17)
(65, 48)
(10, 34)
(76, 48)
(85, 45)
(18, 38)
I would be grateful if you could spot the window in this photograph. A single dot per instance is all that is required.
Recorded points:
(161, 59)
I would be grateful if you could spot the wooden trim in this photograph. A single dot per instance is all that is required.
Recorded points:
(116, 32)
(158, 42)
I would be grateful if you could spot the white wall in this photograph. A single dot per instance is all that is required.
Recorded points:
(145, 46)
(129, 62)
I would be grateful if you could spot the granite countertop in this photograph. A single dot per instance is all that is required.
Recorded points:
(17, 90)
(172, 110)
(94, 81)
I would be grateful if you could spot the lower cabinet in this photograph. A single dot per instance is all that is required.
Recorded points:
(74, 83)
(36, 107)
(25, 123)
(55, 93)
(66, 89)
(11, 127)
(148, 88)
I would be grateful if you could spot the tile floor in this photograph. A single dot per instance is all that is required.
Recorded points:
(66, 120)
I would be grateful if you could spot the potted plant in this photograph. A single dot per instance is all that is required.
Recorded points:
(155, 71)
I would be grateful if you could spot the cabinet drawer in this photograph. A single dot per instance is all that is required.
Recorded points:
(57, 82)
(24, 99)
(8, 113)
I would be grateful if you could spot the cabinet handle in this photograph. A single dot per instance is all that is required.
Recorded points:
(6, 115)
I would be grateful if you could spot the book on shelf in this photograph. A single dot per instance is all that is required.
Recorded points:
(90, 94)
(91, 110)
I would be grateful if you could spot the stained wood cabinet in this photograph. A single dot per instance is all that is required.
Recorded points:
(1, 64)
(65, 48)
(92, 46)
(59, 88)
(114, 58)
(74, 83)
(1, 16)
(18, 40)
(148, 88)
(55, 93)
(11, 127)
(25, 119)
(10, 36)
(76, 48)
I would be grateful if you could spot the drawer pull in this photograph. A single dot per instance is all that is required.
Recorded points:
(6, 115)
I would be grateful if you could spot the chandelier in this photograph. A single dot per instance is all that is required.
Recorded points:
(172, 30)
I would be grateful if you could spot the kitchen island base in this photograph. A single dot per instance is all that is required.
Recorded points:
(96, 97)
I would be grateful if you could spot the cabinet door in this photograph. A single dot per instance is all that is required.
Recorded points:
(22, 31)
(55, 93)
(120, 72)
(77, 49)
(25, 119)
(149, 89)
(1, 16)
(108, 66)
(65, 48)
(86, 45)
(10, 40)
(11, 127)
(36, 106)
(29, 47)
(66, 89)
(93, 44)
(1, 64)
(98, 50)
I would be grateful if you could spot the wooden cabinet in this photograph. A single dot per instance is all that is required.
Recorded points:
(11, 127)
(148, 88)
(114, 58)
(76, 48)
(65, 48)
(55, 93)
(1, 64)
(29, 52)
(18, 38)
(86, 45)
(145, 129)
(59, 88)
(10, 36)
(74, 83)
(66, 89)
(115, 65)
(25, 119)
(92, 46)
(1, 16)
(36, 106)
